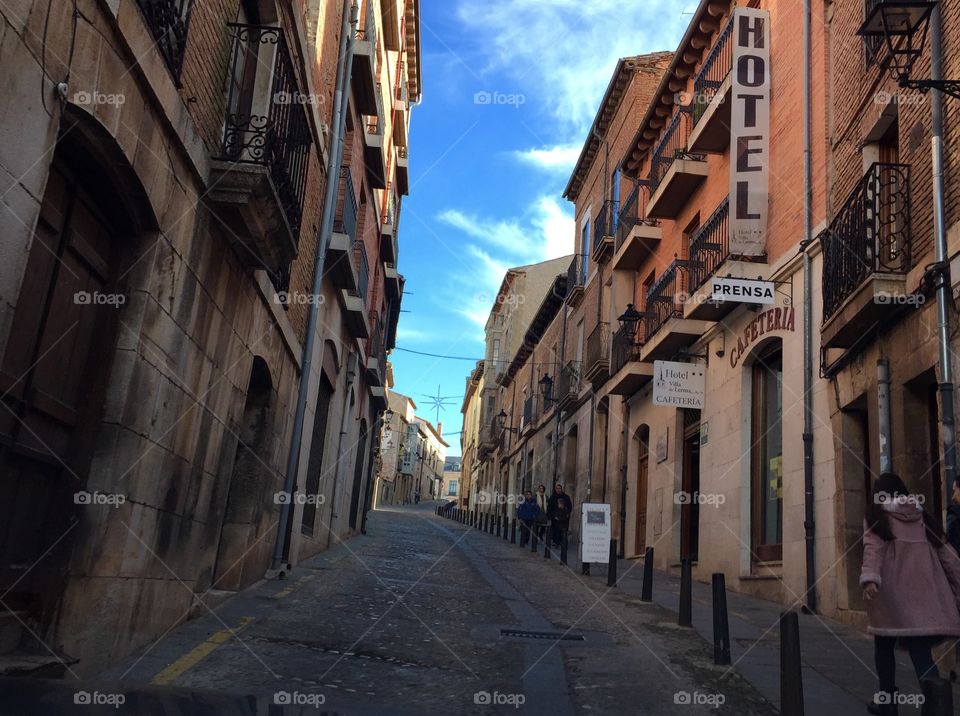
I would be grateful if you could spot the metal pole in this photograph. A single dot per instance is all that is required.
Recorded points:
(344, 69)
(883, 413)
(808, 484)
(721, 621)
(944, 299)
(791, 676)
(646, 593)
(685, 611)
(612, 565)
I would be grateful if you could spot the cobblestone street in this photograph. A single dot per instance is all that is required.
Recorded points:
(407, 620)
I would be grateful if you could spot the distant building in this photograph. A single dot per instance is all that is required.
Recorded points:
(450, 491)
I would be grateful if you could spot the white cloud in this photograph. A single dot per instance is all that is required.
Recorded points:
(561, 53)
(412, 335)
(560, 158)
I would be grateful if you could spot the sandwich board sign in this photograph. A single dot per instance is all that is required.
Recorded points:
(595, 532)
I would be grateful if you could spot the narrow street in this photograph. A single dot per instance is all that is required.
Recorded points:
(407, 620)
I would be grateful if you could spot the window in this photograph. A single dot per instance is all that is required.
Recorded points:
(452, 488)
(585, 248)
(766, 494)
(167, 21)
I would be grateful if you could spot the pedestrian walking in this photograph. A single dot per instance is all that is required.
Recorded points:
(542, 519)
(558, 494)
(416, 496)
(911, 583)
(527, 512)
(561, 522)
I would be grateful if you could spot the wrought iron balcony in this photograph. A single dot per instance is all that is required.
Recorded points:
(576, 277)
(364, 72)
(866, 252)
(531, 413)
(605, 229)
(363, 270)
(403, 171)
(628, 373)
(376, 352)
(663, 302)
(715, 69)
(373, 145)
(674, 171)
(258, 176)
(710, 246)
(637, 235)
(569, 383)
(597, 367)
(340, 264)
(168, 21)
(388, 228)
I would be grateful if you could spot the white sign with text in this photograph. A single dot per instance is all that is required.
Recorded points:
(678, 385)
(595, 534)
(742, 290)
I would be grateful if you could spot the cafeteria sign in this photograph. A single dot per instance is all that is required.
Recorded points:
(678, 385)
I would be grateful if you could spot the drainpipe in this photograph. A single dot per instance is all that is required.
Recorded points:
(334, 157)
(352, 361)
(883, 413)
(808, 488)
(623, 479)
(944, 299)
(557, 429)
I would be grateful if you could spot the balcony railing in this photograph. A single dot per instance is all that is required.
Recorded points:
(530, 411)
(598, 346)
(168, 21)
(710, 246)
(625, 350)
(672, 146)
(345, 221)
(375, 124)
(870, 234)
(275, 135)
(577, 273)
(363, 270)
(606, 221)
(713, 72)
(633, 212)
(375, 346)
(662, 302)
(570, 382)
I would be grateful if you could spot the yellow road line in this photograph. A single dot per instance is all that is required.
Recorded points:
(198, 653)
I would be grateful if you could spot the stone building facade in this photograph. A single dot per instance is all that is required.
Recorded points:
(163, 180)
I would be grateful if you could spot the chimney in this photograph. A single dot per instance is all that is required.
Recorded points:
(440, 429)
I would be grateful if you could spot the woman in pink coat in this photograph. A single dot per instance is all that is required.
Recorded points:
(911, 582)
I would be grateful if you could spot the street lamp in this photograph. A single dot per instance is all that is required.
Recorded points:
(502, 422)
(546, 388)
(629, 320)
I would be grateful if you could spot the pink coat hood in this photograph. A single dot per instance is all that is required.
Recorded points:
(919, 584)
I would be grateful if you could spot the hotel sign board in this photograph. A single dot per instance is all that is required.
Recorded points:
(742, 290)
(678, 385)
(749, 131)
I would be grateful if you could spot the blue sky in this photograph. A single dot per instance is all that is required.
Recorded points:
(510, 90)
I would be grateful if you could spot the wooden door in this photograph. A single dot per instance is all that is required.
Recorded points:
(52, 380)
(643, 466)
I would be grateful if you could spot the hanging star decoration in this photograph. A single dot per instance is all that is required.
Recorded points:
(440, 402)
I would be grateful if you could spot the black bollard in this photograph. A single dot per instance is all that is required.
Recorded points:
(513, 531)
(937, 697)
(499, 524)
(563, 547)
(685, 612)
(721, 624)
(646, 593)
(533, 539)
(547, 538)
(791, 677)
(612, 565)
(506, 528)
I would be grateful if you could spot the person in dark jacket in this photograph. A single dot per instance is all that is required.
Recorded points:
(527, 513)
(543, 502)
(561, 521)
(558, 494)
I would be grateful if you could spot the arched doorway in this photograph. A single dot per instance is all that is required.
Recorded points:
(643, 470)
(249, 483)
(56, 364)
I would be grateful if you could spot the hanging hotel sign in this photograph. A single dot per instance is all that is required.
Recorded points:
(749, 131)
(742, 290)
(678, 385)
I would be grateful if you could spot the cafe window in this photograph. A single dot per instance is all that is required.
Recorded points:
(766, 460)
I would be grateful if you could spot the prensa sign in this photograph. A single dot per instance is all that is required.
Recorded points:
(742, 290)
(749, 131)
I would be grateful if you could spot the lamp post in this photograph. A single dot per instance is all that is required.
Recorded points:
(898, 32)
(629, 320)
(546, 388)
